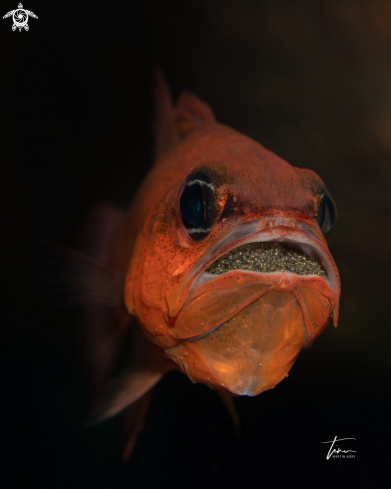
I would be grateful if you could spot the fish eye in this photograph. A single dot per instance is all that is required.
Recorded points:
(327, 215)
(195, 205)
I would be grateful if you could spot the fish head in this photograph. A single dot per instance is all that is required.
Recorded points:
(231, 273)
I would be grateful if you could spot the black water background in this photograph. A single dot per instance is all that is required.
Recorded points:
(311, 81)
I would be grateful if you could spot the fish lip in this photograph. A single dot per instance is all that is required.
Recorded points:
(303, 241)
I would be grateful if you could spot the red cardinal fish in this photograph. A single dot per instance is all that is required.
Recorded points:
(221, 259)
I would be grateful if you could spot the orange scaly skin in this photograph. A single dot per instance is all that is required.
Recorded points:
(240, 331)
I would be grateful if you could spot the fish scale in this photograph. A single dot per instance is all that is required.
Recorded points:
(266, 258)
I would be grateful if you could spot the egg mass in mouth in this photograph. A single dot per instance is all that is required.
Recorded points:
(266, 258)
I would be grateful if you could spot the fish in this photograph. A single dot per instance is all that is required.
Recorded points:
(219, 268)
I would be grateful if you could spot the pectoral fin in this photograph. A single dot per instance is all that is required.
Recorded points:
(73, 278)
(122, 392)
(146, 365)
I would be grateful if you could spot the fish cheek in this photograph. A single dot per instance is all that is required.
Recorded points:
(151, 266)
(251, 352)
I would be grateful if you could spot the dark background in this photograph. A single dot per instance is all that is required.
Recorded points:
(312, 82)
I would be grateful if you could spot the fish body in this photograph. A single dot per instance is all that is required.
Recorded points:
(225, 263)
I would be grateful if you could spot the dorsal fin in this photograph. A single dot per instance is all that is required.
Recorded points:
(165, 133)
(171, 124)
(191, 113)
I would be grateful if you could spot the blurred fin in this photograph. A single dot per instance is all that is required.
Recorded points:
(133, 419)
(174, 123)
(191, 113)
(122, 392)
(230, 406)
(103, 326)
(145, 367)
(73, 278)
(98, 230)
(164, 127)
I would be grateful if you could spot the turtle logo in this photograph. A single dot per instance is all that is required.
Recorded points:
(20, 17)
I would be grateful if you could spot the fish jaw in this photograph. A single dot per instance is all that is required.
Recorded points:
(258, 326)
(251, 352)
(302, 236)
(242, 330)
(218, 300)
(219, 329)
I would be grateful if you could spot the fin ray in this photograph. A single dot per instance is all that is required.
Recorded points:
(73, 278)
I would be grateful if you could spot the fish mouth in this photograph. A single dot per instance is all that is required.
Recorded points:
(291, 253)
(296, 246)
(242, 324)
(267, 257)
(295, 235)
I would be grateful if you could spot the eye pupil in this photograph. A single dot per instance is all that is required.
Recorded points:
(328, 213)
(192, 206)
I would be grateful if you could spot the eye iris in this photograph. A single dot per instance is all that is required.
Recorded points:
(192, 206)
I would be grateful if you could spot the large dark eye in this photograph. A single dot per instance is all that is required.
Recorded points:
(195, 206)
(327, 215)
(192, 206)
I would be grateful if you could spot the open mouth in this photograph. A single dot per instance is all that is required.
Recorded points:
(295, 252)
(267, 257)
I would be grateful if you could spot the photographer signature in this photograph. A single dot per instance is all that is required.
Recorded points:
(337, 450)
